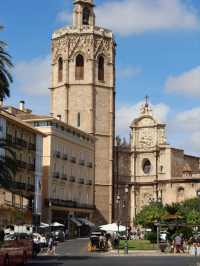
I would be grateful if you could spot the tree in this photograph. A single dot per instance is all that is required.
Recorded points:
(173, 209)
(190, 204)
(193, 217)
(5, 66)
(7, 164)
(150, 214)
(7, 157)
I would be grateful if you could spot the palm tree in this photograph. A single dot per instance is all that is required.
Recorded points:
(8, 164)
(5, 65)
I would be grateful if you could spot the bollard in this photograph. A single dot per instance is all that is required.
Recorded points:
(126, 248)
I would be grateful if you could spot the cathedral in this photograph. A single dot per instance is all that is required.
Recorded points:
(83, 92)
(127, 176)
(151, 169)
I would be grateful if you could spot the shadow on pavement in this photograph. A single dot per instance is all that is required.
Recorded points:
(56, 260)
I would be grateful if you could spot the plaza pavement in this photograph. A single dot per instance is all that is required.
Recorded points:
(74, 253)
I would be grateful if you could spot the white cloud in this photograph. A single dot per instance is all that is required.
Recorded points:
(33, 77)
(187, 83)
(194, 143)
(137, 16)
(127, 113)
(129, 72)
(187, 121)
(185, 129)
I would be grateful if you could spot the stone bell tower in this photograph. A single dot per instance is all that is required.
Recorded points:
(83, 92)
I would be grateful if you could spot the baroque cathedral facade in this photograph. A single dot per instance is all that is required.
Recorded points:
(83, 93)
(151, 169)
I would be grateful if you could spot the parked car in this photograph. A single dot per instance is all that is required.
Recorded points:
(16, 250)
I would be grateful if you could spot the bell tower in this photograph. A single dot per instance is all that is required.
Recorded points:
(83, 14)
(83, 92)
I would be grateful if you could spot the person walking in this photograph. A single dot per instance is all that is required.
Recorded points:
(2, 234)
(178, 243)
(51, 246)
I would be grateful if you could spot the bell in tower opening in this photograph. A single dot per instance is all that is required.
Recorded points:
(83, 14)
(86, 16)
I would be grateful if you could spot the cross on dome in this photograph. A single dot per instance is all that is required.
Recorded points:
(145, 108)
(147, 101)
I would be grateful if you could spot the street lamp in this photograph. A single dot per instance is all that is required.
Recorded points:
(126, 242)
(118, 222)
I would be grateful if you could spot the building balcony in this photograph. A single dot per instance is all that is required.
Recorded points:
(56, 175)
(20, 142)
(72, 179)
(32, 147)
(84, 206)
(82, 162)
(18, 185)
(62, 203)
(57, 154)
(22, 187)
(31, 167)
(73, 159)
(65, 157)
(68, 204)
(89, 164)
(64, 177)
(81, 180)
(88, 182)
(9, 139)
(30, 187)
(21, 164)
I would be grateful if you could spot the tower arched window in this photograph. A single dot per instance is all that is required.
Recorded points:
(60, 69)
(78, 120)
(101, 68)
(79, 73)
(86, 16)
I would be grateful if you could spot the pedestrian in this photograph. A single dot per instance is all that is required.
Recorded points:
(2, 234)
(182, 243)
(51, 246)
(178, 243)
(102, 241)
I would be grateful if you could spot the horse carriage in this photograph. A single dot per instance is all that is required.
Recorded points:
(98, 241)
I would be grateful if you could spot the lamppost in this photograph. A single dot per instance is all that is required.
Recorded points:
(118, 141)
(118, 221)
(126, 242)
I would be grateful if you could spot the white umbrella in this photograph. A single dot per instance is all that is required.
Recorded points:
(113, 228)
(56, 224)
(43, 225)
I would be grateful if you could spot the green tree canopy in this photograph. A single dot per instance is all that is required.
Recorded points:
(150, 214)
(5, 66)
(187, 211)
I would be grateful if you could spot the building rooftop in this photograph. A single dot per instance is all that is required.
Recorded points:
(18, 121)
(43, 118)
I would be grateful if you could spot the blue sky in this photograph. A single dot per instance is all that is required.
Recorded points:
(158, 53)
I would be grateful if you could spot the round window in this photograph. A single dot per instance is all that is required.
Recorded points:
(146, 166)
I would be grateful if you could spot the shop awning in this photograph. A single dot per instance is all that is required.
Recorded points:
(75, 221)
(86, 222)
